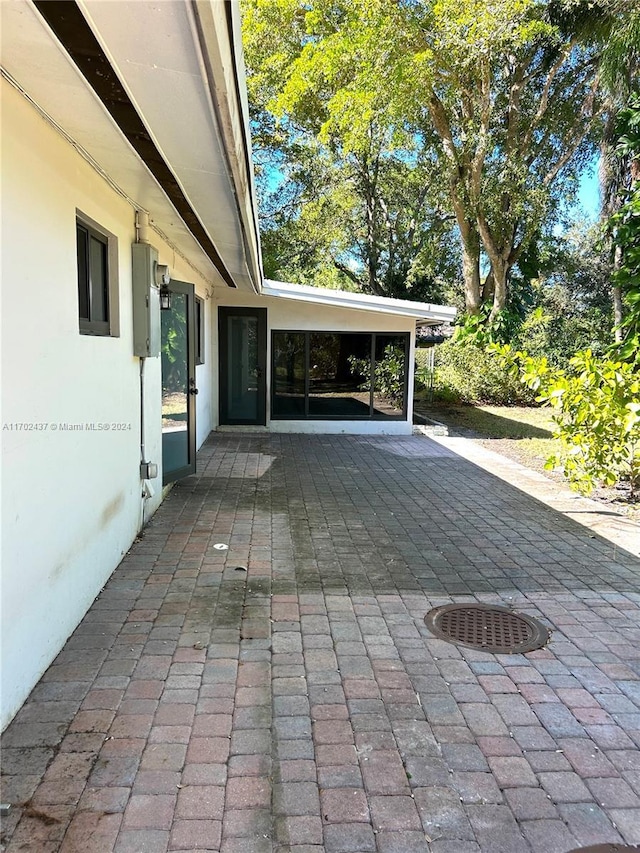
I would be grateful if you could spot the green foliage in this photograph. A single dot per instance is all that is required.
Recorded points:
(596, 404)
(624, 227)
(422, 374)
(627, 277)
(174, 347)
(346, 196)
(388, 374)
(621, 54)
(486, 328)
(467, 373)
(570, 287)
(408, 116)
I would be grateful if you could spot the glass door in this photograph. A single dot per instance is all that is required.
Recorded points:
(178, 384)
(243, 356)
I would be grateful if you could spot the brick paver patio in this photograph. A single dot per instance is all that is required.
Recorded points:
(285, 694)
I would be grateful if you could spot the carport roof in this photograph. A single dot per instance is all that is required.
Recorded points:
(424, 313)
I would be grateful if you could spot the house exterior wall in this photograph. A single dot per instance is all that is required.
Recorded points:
(71, 499)
(206, 378)
(288, 314)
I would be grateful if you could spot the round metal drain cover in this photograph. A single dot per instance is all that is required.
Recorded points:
(487, 627)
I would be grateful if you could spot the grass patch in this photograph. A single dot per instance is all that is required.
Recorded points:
(516, 422)
(523, 433)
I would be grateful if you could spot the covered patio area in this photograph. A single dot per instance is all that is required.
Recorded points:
(257, 675)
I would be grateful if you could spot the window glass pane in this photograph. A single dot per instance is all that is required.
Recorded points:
(83, 273)
(339, 375)
(243, 368)
(99, 290)
(175, 348)
(199, 330)
(389, 376)
(288, 375)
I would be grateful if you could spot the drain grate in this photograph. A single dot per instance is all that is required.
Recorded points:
(487, 627)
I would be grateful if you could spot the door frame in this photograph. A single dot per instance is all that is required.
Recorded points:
(224, 312)
(189, 290)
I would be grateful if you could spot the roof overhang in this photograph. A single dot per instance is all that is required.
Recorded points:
(179, 63)
(424, 313)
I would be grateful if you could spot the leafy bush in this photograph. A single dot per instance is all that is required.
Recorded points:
(597, 414)
(484, 328)
(388, 374)
(557, 331)
(467, 373)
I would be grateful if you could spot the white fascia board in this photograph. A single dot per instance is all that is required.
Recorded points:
(423, 312)
(252, 201)
(218, 35)
(185, 74)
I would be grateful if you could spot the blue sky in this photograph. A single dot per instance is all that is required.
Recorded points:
(588, 195)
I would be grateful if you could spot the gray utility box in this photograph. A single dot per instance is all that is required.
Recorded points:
(146, 301)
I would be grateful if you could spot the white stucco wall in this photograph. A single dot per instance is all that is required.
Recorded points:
(71, 500)
(287, 314)
(206, 380)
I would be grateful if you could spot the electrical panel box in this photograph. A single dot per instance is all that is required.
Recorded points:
(146, 301)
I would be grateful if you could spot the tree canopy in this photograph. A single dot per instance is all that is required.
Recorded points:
(398, 127)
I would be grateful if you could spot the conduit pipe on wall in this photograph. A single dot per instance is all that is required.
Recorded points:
(147, 488)
(143, 229)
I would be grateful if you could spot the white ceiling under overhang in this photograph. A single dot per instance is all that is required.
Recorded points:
(155, 50)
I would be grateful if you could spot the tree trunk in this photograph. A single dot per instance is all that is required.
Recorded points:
(500, 275)
(616, 294)
(471, 276)
(488, 287)
(617, 313)
(501, 257)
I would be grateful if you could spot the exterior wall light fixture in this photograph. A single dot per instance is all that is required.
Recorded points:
(163, 277)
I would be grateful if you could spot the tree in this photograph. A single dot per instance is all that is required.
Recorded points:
(624, 227)
(360, 221)
(361, 208)
(620, 68)
(495, 98)
(569, 287)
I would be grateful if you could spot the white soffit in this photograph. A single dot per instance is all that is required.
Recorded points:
(43, 70)
(154, 49)
(424, 313)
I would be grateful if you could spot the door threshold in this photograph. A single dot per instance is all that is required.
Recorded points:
(241, 428)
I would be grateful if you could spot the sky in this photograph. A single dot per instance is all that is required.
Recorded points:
(588, 195)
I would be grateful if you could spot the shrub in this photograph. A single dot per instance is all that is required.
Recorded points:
(388, 374)
(597, 415)
(467, 373)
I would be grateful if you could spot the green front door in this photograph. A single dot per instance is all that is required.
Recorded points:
(243, 358)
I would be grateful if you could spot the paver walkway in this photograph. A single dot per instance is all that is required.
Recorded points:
(285, 695)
